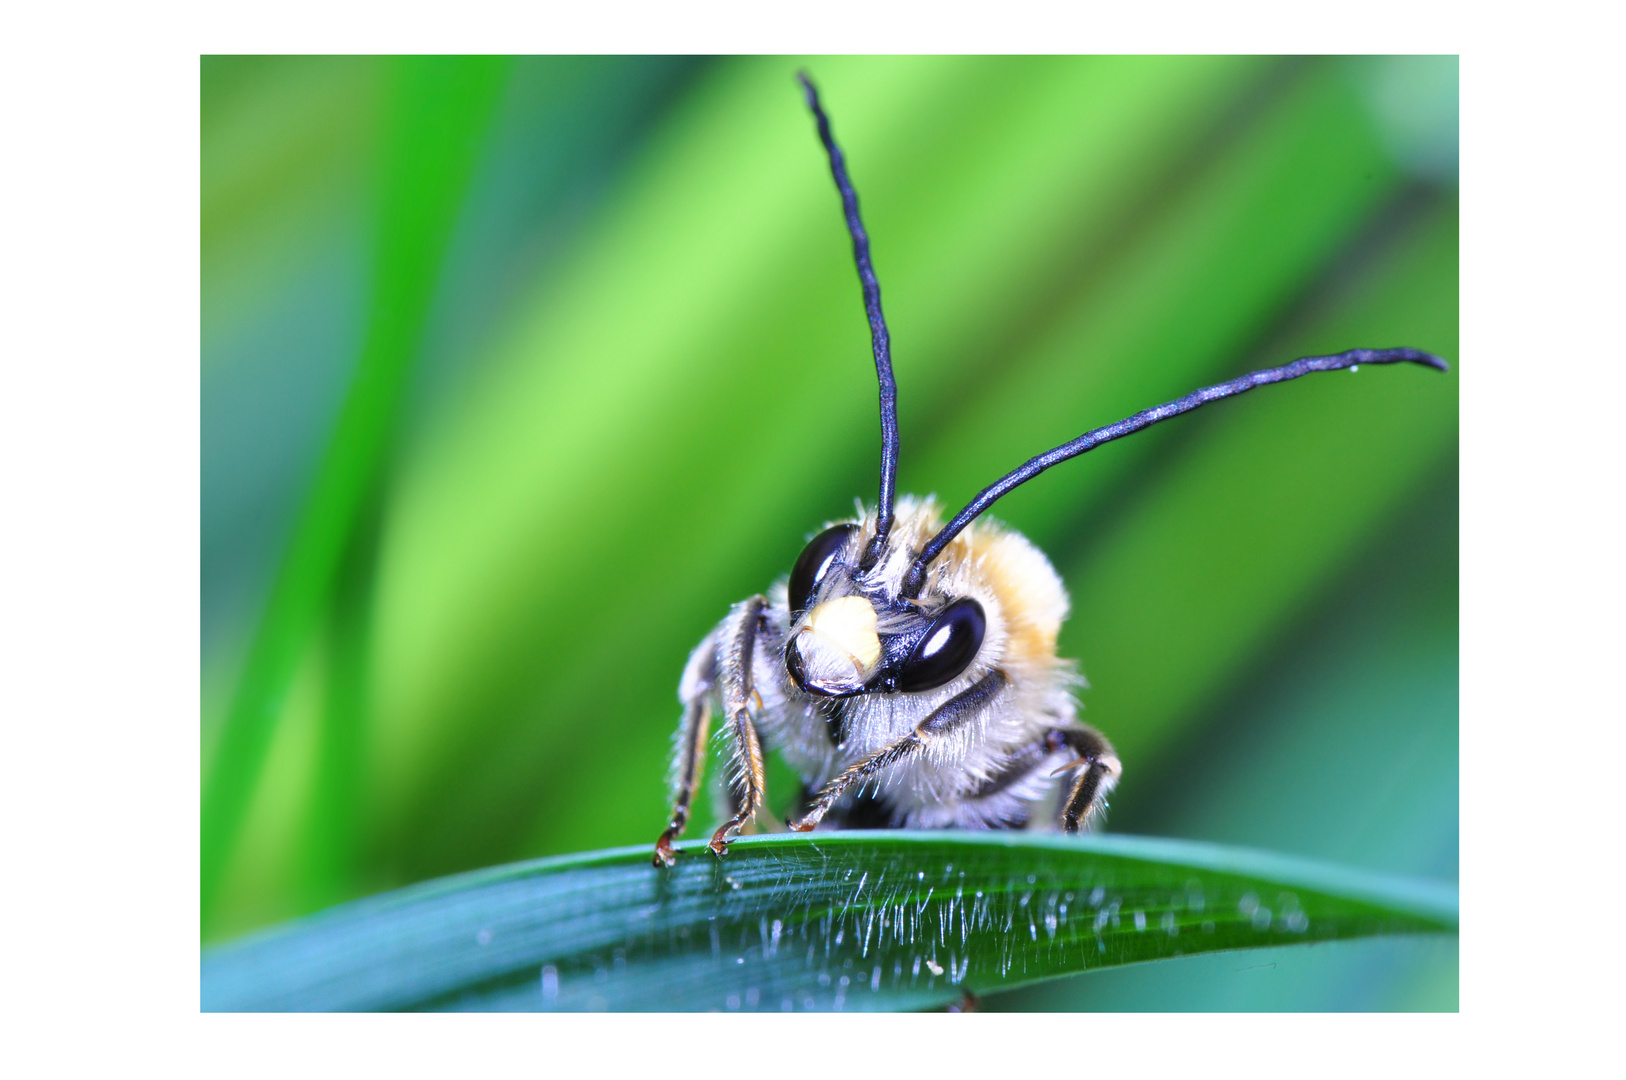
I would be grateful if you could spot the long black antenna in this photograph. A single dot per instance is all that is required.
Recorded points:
(1088, 441)
(879, 338)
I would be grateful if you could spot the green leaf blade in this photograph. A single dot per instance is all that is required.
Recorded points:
(847, 921)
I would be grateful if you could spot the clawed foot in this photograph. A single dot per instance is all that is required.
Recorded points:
(720, 839)
(664, 855)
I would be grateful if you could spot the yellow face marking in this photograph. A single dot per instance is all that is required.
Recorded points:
(848, 623)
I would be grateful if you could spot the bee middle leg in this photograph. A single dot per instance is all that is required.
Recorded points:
(953, 713)
(691, 749)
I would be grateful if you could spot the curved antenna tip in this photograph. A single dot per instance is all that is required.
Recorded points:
(1356, 357)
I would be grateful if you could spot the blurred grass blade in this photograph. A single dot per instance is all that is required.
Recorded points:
(859, 921)
(439, 111)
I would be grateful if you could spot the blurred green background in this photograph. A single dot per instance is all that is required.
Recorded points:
(516, 373)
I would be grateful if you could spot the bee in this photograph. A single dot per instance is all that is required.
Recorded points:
(906, 669)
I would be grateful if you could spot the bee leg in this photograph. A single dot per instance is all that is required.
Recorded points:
(696, 721)
(734, 679)
(691, 742)
(1088, 799)
(956, 711)
(729, 802)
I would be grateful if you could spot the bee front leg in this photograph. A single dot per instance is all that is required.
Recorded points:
(695, 693)
(953, 713)
(1088, 798)
(738, 644)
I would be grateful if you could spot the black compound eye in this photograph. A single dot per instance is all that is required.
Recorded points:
(947, 648)
(814, 562)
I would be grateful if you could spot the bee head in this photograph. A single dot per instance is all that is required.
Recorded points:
(855, 632)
